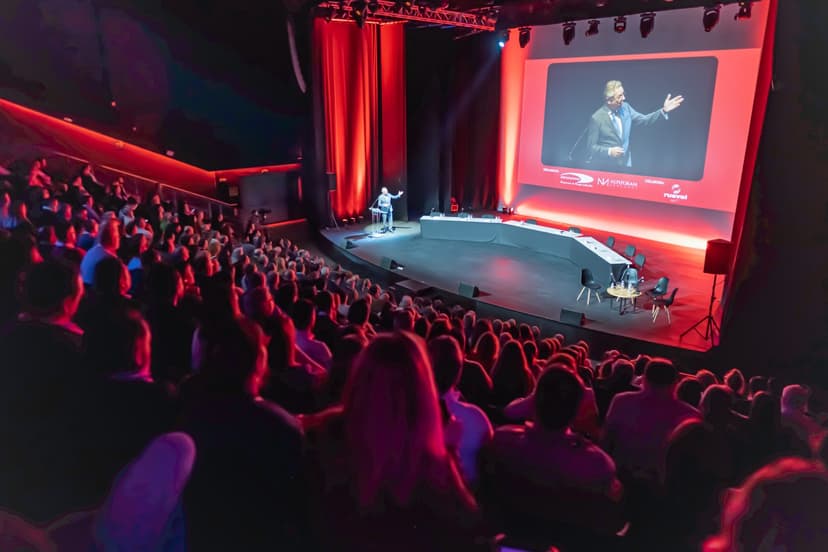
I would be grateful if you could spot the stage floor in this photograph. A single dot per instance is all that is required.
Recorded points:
(541, 285)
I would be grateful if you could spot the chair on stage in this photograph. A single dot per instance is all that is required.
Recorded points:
(611, 242)
(660, 288)
(629, 251)
(589, 284)
(574, 229)
(639, 261)
(664, 303)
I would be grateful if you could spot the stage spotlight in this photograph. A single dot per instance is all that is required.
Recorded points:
(711, 17)
(744, 10)
(620, 24)
(592, 28)
(568, 32)
(524, 35)
(358, 10)
(504, 38)
(647, 24)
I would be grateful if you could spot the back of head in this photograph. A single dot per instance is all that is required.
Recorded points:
(324, 301)
(706, 378)
(689, 390)
(446, 361)
(623, 371)
(163, 284)
(735, 380)
(119, 346)
(48, 286)
(780, 507)
(110, 277)
(558, 395)
(660, 373)
(234, 357)
(393, 426)
(304, 315)
(358, 312)
(716, 403)
(404, 320)
(757, 384)
(795, 398)
(510, 376)
(440, 327)
(487, 346)
(764, 412)
(109, 234)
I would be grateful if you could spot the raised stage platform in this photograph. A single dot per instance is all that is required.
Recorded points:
(537, 273)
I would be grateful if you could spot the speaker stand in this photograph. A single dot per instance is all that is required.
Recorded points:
(331, 217)
(711, 328)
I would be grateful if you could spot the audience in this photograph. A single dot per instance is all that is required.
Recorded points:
(163, 320)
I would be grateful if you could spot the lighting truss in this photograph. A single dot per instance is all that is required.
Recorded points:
(386, 10)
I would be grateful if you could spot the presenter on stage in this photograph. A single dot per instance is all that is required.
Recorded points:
(608, 133)
(387, 210)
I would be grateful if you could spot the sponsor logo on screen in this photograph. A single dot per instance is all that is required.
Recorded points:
(577, 179)
(654, 181)
(618, 183)
(675, 194)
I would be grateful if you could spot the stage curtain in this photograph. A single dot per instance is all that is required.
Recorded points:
(360, 72)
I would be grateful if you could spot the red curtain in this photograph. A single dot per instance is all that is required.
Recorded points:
(360, 72)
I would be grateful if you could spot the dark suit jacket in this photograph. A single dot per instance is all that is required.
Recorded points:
(602, 135)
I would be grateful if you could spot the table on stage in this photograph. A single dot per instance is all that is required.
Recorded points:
(584, 251)
(624, 296)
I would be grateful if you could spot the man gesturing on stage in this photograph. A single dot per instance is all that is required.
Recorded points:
(387, 210)
(608, 133)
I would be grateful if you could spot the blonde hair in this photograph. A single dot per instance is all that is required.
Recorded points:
(393, 425)
(610, 88)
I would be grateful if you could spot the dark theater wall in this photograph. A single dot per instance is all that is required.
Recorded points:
(777, 321)
(212, 81)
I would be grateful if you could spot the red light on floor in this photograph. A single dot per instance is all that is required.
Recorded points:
(170, 153)
(113, 103)
(68, 119)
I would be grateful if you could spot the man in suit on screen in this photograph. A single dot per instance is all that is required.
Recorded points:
(608, 133)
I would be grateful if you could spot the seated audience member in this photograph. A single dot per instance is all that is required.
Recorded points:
(474, 427)
(767, 441)
(780, 507)
(108, 295)
(295, 380)
(486, 350)
(639, 423)
(358, 314)
(756, 384)
(381, 475)
(325, 328)
(172, 328)
(66, 244)
(511, 378)
(304, 318)
(726, 425)
(706, 378)
(131, 409)
(699, 465)
(346, 349)
(689, 390)
(542, 477)
(736, 382)
(619, 381)
(17, 253)
(44, 391)
(797, 418)
(245, 492)
(109, 240)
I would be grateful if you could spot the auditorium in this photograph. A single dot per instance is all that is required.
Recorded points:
(375, 275)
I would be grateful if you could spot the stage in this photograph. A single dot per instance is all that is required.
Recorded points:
(540, 284)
